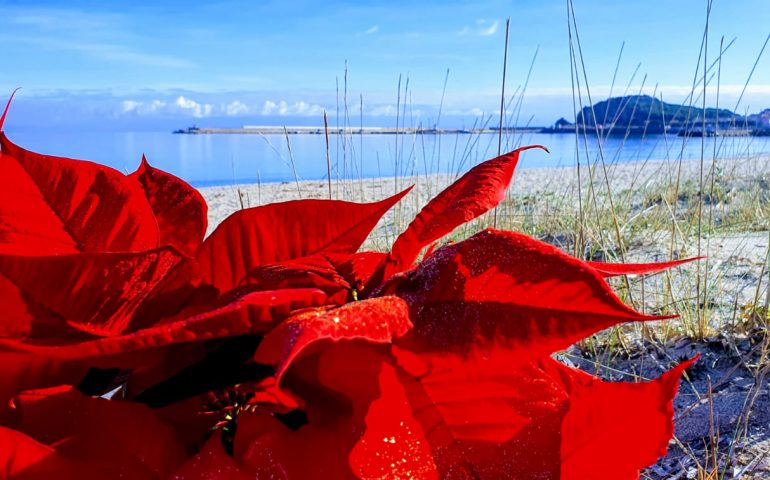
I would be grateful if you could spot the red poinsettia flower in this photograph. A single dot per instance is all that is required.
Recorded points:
(445, 370)
(380, 368)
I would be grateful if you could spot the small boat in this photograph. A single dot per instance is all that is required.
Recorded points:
(188, 130)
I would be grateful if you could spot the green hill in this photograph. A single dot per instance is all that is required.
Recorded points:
(637, 112)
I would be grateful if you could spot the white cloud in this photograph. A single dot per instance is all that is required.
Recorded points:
(129, 106)
(490, 30)
(307, 109)
(197, 110)
(473, 112)
(369, 31)
(236, 108)
(269, 107)
(186, 103)
(383, 111)
(137, 107)
(156, 105)
(482, 27)
(283, 108)
(60, 19)
(182, 105)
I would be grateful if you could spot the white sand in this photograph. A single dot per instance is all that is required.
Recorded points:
(224, 200)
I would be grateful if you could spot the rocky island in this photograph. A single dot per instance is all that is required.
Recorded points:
(643, 114)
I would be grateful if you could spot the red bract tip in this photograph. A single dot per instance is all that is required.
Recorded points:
(616, 269)
(481, 189)
(7, 106)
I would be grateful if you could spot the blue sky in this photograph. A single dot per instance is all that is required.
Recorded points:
(144, 65)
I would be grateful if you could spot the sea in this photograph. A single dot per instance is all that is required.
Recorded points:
(223, 159)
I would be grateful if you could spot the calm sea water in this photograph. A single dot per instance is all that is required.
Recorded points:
(225, 159)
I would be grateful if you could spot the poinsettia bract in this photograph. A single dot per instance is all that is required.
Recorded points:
(132, 347)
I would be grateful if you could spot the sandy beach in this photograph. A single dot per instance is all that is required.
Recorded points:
(224, 200)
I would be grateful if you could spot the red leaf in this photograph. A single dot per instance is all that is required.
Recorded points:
(359, 269)
(97, 293)
(484, 419)
(180, 210)
(377, 320)
(34, 365)
(342, 276)
(308, 272)
(269, 397)
(108, 435)
(212, 463)
(615, 269)
(476, 192)
(24, 318)
(265, 448)
(614, 429)
(480, 414)
(250, 314)
(485, 414)
(7, 107)
(21, 457)
(394, 443)
(454, 414)
(21, 371)
(282, 231)
(53, 205)
(505, 285)
(377, 438)
(341, 383)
